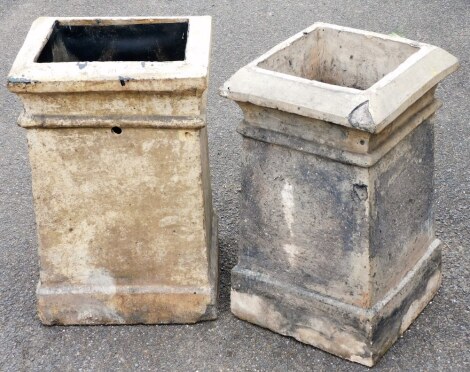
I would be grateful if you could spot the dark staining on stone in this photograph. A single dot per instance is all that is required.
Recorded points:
(339, 206)
(20, 80)
(392, 194)
(123, 80)
(142, 63)
(139, 317)
(210, 313)
(250, 200)
(360, 192)
(269, 158)
(82, 65)
(297, 310)
(388, 326)
(54, 322)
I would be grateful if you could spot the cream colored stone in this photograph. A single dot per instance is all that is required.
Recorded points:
(329, 85)
(121, 184)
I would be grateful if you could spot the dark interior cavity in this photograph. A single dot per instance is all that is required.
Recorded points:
(158, 42)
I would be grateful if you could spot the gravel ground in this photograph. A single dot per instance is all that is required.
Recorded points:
(438, 340)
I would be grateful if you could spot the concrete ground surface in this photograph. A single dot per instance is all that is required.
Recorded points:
(242, 30)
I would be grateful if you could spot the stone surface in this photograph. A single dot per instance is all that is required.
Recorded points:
(350, 86)
(120, 175)
(351, 332)
(337, 246)
(241, 31)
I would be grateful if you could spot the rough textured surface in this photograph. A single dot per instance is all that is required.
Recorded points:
(351, 332)
(293, 201)
(401, 213)
(340, 58)
(318, 219)
(365, 87)
(243, 30)
(120, 220)
(123, 213)
(345, 232)
(293, 224)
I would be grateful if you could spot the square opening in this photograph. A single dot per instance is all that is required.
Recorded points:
(339, 57)
(156, 42)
